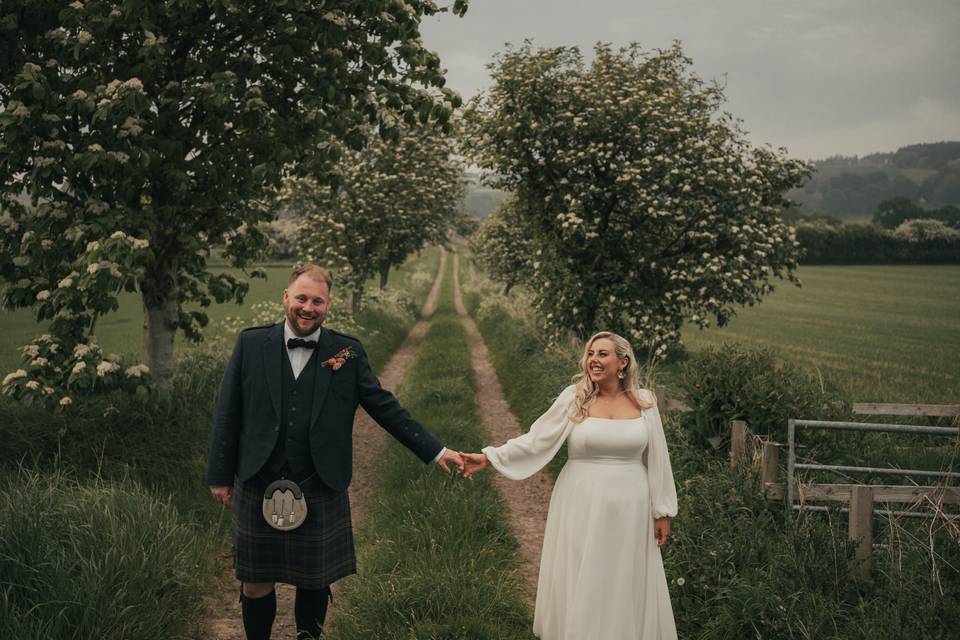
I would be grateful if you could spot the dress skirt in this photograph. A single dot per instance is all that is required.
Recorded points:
(313, 556)
(601, 575)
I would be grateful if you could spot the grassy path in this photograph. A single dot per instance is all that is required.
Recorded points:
(369, 442)
(436, 557)
(529, 500)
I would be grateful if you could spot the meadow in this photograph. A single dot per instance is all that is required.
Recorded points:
(122, 332)
(879, 333)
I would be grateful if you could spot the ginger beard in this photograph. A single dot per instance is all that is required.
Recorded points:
(305, 304)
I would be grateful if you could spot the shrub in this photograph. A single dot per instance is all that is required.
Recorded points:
(926, 230)
(915, 241)
(733, 383)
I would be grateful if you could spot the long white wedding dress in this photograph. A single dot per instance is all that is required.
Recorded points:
(601, 575)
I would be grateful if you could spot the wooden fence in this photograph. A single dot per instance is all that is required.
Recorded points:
(860, 498)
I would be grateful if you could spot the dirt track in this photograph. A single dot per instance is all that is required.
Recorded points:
(528, 500)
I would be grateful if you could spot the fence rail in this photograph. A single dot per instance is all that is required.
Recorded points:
(860, 498)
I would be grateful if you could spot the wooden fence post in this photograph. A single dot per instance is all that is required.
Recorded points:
(861, 527)
(661, 393)
(769, 462)
(738, 442)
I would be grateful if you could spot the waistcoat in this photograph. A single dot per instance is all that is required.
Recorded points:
(293, 441)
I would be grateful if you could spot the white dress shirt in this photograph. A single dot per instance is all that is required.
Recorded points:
(298, 357)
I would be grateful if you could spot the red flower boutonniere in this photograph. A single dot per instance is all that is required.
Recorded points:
(340, 359)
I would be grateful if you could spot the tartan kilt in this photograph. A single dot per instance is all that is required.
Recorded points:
(314, 555)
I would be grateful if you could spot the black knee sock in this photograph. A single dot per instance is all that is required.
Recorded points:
(310, 610)
(258, 615)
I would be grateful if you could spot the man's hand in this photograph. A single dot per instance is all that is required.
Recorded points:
(474, 462)
(661, 530)
(222, 495)
(450, 457)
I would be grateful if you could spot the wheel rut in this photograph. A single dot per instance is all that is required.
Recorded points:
(529, 500)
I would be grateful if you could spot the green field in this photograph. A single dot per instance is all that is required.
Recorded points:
(122, 332)
(880, 333)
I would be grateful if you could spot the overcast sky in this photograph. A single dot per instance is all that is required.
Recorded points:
(818, 77)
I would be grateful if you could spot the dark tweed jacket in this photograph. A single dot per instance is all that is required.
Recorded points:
(246, 421)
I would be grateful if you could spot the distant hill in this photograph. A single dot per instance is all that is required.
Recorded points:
(851, 187)
(480, 200)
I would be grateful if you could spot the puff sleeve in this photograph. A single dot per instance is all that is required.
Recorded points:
(663, 492)
(523, 456)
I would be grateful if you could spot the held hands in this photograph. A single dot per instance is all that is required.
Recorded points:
(464, 463)
(474, 462)
(451, 457)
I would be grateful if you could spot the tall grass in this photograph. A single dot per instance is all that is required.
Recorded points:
(96, 560)
(436, 557)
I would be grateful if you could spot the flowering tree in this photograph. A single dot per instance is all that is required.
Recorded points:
(139, 134)
(503, 246)
(388, 201)
(646, 203)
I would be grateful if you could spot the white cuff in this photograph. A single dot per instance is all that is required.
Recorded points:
(440, 455)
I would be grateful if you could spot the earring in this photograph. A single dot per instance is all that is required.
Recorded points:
(621, 374)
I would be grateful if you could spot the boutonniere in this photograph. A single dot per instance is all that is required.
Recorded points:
(340, 358)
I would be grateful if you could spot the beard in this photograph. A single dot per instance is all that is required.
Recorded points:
(302, 326)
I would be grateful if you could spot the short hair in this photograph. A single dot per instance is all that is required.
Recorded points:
(312, 271)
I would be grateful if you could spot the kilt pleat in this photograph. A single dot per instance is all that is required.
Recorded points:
(314, 555)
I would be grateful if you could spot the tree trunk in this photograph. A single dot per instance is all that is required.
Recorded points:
(384, 274)
(355, 296)
(159, 292)
(505, 291)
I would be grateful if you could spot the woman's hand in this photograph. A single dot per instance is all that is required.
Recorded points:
(474, 462)
(661, 530)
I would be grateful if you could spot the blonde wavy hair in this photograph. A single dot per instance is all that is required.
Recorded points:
(587, 390)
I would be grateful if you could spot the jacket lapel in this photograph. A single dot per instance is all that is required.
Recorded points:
(273, 363)
(326, 349)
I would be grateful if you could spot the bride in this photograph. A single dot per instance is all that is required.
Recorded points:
(601, 575)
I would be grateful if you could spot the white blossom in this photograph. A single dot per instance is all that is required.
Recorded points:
(16, 375)
(106, 367)
(137, 371)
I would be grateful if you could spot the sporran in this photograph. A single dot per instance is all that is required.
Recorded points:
(284, 507)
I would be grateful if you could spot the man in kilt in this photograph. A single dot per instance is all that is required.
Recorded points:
(285, 412)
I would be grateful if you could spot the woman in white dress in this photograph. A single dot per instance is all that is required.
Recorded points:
(601, 575)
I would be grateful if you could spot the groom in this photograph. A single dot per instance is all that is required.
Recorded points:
(285, 412)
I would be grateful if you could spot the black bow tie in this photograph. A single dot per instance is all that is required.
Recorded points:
(293, 343)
